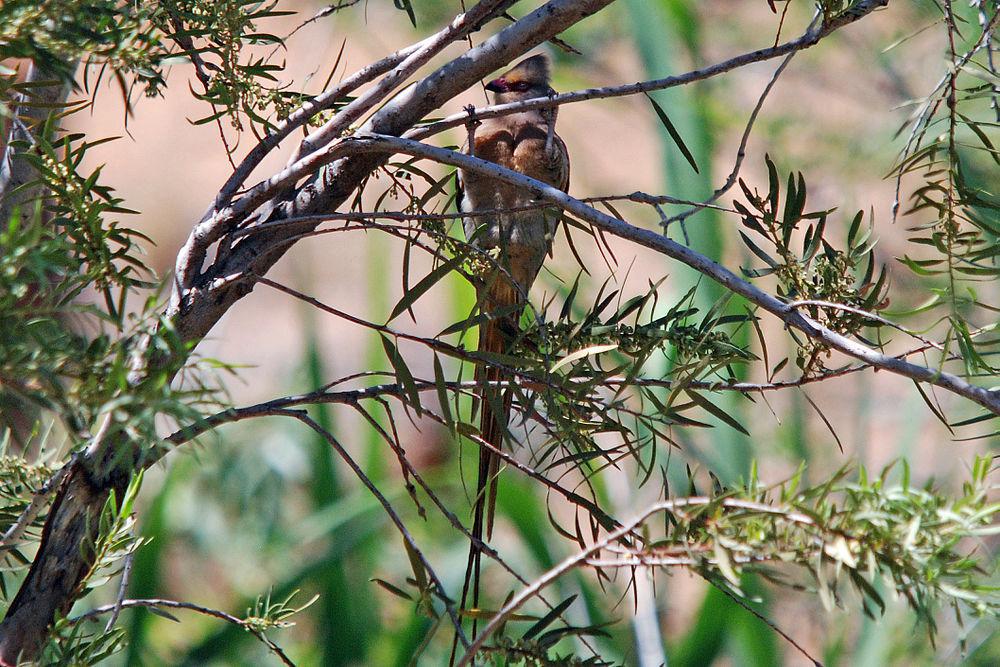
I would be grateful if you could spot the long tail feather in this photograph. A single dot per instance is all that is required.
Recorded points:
(495, 336)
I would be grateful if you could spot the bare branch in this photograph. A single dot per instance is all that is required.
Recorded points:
(122, 589)
(811, 37)
(217, 222)
(199, 300)
(741, 152)
(988, 399)
(867, 315)
(580, 558)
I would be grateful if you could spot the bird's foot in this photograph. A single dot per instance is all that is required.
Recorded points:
(470, 127)
(549, 114)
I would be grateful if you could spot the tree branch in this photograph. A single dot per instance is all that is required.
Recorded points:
(159, 603)
(200, 298)
(786, 312)
(196, 307)
(810, 38)
(581, 557)
(218, 222)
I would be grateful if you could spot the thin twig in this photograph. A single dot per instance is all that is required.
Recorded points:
(987, 398)
(122, 590)
(174, 604)
(580, 558)
(183, 39)
(771, 624)
(410, 471)
(397, 390)
(932, 103)
(393, 516)
(395, 70)
(741, 152)
(867, 315)
(810, 38)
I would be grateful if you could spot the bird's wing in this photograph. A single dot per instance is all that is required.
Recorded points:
(562, 158)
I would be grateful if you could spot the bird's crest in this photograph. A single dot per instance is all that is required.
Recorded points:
(528, 78)
(533, 70)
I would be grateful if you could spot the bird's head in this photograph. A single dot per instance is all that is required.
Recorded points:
(527, 79)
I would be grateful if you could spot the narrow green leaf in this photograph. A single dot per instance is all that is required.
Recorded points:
(674, 134)
(442, 392)
(547, 620)
(972, 125)
(773, 185)
(403, 375)
(392, 588)
(755, 249)
(427, 282)
(407, 6)
(580, 354)
(716, 411)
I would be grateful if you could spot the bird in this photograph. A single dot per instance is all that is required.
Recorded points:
(517, 234)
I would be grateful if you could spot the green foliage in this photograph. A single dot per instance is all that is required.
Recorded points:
(854, 533)
(46, 359)
(957, 211)
(267, 614)
(219, 37)
(58, 33)
(66, 354)
(858, 535)
(137, 42)
(118, 540)
(602, 382)
(19, 480)
(818, 272)
(77, 646)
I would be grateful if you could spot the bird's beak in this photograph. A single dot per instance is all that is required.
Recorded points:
(497, 85)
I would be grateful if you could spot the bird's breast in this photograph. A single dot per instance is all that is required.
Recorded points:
(513, 221)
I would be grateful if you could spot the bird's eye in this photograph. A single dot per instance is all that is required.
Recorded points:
(521, 86)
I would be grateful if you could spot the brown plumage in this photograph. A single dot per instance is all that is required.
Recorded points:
(525, 142)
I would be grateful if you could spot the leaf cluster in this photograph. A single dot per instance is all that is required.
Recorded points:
(118, 538)
(20, 479)
(78, 646)
(238, 83)
(56, 34)
(46, 358)
(843, 534)
(817, 270)
(950, 152)
(267, 614)
(61, 351)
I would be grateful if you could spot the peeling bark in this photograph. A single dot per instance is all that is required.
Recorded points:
(63, 560)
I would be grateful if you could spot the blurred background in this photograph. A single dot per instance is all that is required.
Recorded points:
(266, 505)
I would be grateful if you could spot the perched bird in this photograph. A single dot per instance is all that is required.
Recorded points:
(517, 233)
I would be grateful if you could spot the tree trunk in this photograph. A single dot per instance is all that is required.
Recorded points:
(64, 558)
(16, 192)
